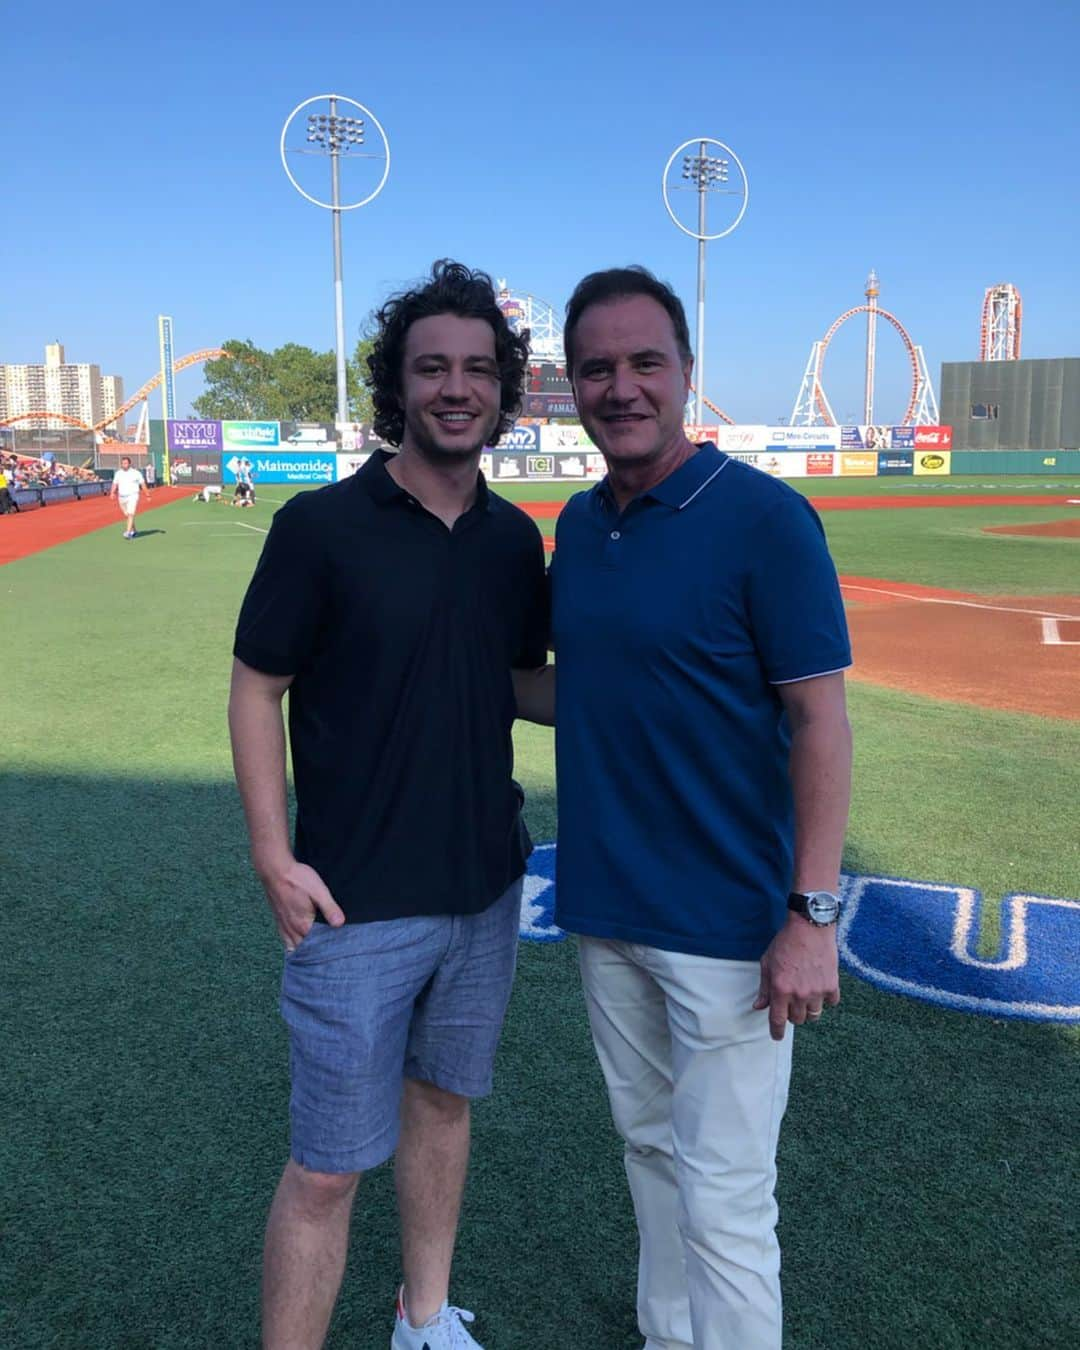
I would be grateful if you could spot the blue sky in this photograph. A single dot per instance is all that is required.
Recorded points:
(936, 143)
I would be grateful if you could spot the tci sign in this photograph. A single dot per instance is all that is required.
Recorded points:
(194, 435)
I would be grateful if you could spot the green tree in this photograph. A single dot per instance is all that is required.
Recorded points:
(236, 384)
(293, 383)
(363, 409)
(302, 385)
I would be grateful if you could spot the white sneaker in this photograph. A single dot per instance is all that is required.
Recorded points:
(444, 1331)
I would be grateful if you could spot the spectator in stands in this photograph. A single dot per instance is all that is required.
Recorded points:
(7, 501)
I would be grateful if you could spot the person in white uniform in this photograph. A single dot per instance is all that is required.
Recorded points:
(127, 486)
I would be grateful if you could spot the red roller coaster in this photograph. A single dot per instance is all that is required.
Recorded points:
(812, 403)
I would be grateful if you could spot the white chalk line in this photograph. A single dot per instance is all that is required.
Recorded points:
(963, 604)
(1051, 634)
(233, 524)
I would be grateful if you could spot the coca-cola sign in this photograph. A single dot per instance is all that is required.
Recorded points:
(933, 438)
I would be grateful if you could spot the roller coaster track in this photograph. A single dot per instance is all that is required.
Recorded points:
(181, 363)
(713, 408)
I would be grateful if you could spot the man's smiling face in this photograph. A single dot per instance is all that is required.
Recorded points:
(630, 379)
(450, 386)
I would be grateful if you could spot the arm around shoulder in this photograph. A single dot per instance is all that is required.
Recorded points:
(534, 693)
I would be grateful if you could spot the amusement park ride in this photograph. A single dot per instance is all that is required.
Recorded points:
(812, 406)
(999, 341)
(999, 337)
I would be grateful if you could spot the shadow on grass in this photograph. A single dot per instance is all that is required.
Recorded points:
(144, 1104)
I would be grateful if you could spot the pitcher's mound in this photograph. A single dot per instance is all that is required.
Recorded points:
(1048, 529)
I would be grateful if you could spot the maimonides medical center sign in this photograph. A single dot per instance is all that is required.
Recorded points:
(194, 435)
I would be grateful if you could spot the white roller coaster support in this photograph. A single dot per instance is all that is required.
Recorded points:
(811, 403)
(926, 408)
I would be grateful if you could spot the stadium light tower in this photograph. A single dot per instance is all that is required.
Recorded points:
(703, 173)
(339, 138)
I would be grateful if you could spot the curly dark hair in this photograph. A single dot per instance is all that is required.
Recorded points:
(618, 283)
(452, 289)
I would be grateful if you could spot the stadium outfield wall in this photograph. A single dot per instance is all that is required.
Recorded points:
(203, 452)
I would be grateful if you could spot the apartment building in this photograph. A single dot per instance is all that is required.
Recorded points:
(76, 389)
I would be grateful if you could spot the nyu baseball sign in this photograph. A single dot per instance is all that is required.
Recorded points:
(920, 938)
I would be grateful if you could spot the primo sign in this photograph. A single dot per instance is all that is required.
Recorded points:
(919, 938)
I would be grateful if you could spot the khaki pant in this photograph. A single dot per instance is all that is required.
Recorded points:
(698, 1090)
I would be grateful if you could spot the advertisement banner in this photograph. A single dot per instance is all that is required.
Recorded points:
(309, 435)
(193, 435)
(705, 432)
(299, 467)
(859, 465)
(549, 405)
(525, 440)
(742, 438)
(820, 463)
(540, 466)
(347, 465)
(890, 462)
(933, 438)
(788, 464)
(250, 435)
(595, 466)
(570, 466)
(867, 438)
(802, 438)
(544, 468)
(564, 438)
(349, 435)
(903, 438)
(508, 466)
(935, 462)
(189, 466)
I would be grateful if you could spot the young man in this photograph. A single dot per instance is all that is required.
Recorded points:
(393, 607)
(127, 485)
(703, 771)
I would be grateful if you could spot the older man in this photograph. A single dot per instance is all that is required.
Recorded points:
(703, 776)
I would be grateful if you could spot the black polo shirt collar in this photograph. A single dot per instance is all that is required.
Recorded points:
(383, 489)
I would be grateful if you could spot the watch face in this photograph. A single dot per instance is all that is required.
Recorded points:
(823, 907)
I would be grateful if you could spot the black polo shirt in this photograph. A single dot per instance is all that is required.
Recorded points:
(400, 635)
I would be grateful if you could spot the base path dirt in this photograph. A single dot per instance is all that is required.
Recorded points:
(32, 531)
(1047, 529)
(1019, 654)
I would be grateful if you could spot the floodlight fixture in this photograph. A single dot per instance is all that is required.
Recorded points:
(703, 172)
(333, 134)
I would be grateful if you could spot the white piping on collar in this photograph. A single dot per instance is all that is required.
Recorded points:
(702, 486)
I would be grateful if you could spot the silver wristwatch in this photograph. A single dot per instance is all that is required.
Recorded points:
(822, 908)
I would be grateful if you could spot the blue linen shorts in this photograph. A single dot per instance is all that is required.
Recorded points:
(371, 1004)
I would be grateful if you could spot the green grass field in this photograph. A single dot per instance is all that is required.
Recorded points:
(928, 1174)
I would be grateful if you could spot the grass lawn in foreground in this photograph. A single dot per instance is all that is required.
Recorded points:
(927, 1163)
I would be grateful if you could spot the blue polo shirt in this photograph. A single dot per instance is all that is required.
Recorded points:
(673, 623)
